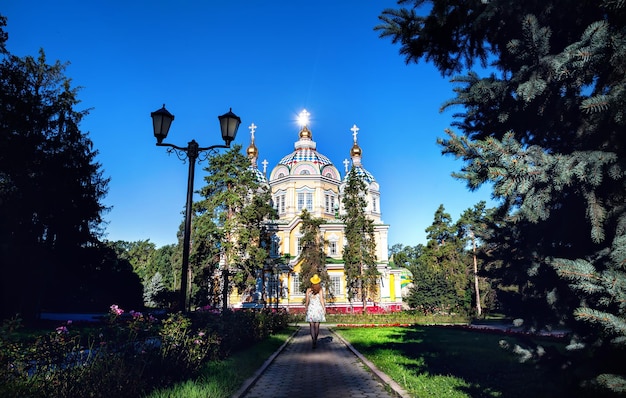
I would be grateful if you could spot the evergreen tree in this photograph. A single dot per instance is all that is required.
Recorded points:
(51, 187)
(440, 279)
(313, 255)
(473, 227)
(231, 228)
(545, 126)
(406, 256)
(359, 254)
(162, 261)
(152, 289)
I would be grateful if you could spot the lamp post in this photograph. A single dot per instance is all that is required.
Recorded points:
(161, 122)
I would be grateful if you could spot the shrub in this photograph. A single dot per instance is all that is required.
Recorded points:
(128, 355)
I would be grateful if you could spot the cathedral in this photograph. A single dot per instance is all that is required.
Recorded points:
(306, 179)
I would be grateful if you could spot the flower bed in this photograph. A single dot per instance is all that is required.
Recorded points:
(372, 325)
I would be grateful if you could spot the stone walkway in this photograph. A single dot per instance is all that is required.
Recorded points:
(332, 369)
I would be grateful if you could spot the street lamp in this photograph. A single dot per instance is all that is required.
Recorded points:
(161, 122)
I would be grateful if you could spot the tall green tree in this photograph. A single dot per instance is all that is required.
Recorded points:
(359, 253)
(313, 255)
(545, 126)
(51, 186)
(473, 229)
(440, 279)
(232, 221)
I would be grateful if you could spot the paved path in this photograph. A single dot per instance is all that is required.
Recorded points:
(332, 369)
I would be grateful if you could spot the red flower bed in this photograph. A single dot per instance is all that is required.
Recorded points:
(372, 325)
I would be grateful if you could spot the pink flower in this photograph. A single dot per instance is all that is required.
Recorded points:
(62, 330)
(116, 310)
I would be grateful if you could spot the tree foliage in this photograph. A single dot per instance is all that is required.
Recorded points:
(312, 255)
(545, 126)
(231, 230)
(359, 253)
(474, 230)
(51, 188)
(440, 277)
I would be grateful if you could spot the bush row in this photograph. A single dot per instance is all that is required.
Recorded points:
(128, 354)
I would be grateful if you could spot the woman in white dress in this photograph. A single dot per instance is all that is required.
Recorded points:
(315, 307)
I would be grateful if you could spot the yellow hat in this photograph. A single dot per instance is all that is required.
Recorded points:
(315, 279)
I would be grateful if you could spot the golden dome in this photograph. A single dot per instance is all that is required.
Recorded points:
(355, 150)
(305, 133)
(252, 151)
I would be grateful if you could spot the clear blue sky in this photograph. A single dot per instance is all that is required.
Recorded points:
(268, 61)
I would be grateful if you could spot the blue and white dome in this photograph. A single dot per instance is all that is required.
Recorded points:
(364, 174)
(305, 153)
(259, 176)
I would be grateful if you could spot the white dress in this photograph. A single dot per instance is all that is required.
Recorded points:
(315, 311)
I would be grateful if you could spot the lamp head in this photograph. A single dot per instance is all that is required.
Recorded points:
(229, 123)
(161, 122)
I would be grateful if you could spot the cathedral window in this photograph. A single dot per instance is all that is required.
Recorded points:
(274, 247)
(329, 203)
(300, 201)
(279, 202)
(332, 248)
(334, 286)
(305, 200)
(299, 246)
(296, 284)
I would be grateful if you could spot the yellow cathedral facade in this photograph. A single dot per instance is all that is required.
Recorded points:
(306, 179)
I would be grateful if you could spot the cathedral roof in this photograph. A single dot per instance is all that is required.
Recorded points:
(259, 176)
(305, 155)
(366, 175)
(305, 149)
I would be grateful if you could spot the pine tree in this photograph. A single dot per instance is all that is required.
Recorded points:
(359, 254)
(440, 278)
(152, 289)
(473, 227)
(313, 255)
(51, 186)
(230, 229)
(545, 126)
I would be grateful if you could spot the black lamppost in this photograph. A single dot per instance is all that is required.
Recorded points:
(161, 121)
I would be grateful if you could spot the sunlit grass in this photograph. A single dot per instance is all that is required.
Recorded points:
(444, 362)
(221, 379)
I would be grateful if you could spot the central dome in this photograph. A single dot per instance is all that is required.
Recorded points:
(305, 151)
(305, 155)
(305, 160)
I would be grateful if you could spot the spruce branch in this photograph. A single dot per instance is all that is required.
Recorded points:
(613, 325)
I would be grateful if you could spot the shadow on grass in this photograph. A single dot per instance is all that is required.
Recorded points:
(488, 364)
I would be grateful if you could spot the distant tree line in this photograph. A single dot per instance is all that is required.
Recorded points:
(447, 275)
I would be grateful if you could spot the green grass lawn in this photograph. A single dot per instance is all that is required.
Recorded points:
(430, 361)
(220, 379)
